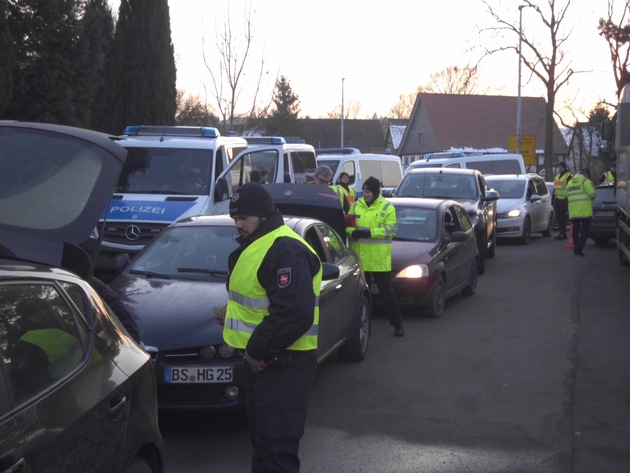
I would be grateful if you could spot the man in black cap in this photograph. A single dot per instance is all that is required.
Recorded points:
(371, 239)
(560, 202)
(273, 315)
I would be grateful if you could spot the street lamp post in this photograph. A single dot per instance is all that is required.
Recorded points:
(520, 56)
(342, 81)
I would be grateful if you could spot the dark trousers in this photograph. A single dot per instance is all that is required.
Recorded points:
(581, 226)
(561, 206)
(276, 400)
(384, 284)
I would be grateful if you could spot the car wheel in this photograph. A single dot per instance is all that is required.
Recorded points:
(356, 347)
(436, 307)
(601, 241)
(138, 465)
(472, 280)
(549, 231)
(527, 231)
(481, 260)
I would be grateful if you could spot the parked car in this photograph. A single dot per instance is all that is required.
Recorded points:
(76, 392)
(525, 206)
(175, 282)
(466, 186)
(604, 222)
(434, 253)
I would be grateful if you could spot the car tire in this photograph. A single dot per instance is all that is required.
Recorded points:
(483, 250)
(356, 347)
(472, 280)
(527, 232)
(549, 231)
(138, 465)
(436, 306)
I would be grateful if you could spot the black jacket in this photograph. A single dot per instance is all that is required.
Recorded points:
(292, 306)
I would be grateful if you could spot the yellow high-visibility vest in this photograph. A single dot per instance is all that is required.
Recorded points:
(248, 304)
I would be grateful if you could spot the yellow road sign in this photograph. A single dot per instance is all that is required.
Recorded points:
(528, 148)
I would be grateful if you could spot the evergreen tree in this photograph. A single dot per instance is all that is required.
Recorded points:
(45, 35)
(141, 74)
(97, 34)
(7, 59)
(283, 119)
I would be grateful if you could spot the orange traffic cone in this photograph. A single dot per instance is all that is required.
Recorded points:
(570, 242)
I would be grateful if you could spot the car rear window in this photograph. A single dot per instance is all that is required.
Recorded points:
(495, 166)
(605, 195)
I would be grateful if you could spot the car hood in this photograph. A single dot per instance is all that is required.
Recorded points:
(55, 182)
(505, 205)
(173, 314)
(405, 253)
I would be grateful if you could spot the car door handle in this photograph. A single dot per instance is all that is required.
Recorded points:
(117, 407)
(18, 466)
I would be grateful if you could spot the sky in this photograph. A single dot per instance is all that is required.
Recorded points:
(373, 52)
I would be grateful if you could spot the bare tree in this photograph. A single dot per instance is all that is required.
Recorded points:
(228, 75)
(192, 111)
(352, 111)
(452, 80)
(618, 37)
(404, 107)
(545, 61)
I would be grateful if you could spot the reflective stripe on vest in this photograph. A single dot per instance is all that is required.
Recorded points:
(248, 304)
(560, 185)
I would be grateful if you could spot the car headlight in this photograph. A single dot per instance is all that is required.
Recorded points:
(511, 213)
(226, 351)
(415, 271)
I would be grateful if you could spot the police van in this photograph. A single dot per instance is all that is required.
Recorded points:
(359, 166)
(172, 172)
(499, 163)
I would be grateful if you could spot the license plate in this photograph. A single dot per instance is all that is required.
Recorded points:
(197, 374)
(605, 213)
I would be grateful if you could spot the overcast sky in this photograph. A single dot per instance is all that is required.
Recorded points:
(382, 49)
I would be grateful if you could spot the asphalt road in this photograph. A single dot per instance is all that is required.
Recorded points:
(531, 374)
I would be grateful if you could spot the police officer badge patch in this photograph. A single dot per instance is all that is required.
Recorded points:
(284, 277)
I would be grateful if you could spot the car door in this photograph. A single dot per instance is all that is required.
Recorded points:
(455, 259)
(535, 208)
(489, 207)
(545, 202)
(61, 384)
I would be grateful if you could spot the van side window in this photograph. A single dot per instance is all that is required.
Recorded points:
(350, 168)
(303, 163)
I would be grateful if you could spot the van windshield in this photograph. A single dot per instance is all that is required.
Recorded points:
(333, 164)
(166, 171)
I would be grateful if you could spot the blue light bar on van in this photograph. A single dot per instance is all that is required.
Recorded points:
(192, 131)
(321, 151)
(265, 140)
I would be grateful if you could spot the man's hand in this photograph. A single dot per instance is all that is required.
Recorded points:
(256, 365)
(219, 314)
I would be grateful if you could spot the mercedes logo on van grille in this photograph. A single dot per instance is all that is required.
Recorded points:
(132, 232)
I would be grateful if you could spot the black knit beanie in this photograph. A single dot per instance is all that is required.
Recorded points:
(373, 185)
(251, 200)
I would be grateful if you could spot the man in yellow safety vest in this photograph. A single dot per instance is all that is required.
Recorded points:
(580, 194)
(273, 315)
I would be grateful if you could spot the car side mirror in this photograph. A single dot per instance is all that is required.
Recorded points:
(491, 195)
(121, 260)
(329, 271)
(221, 190)
(458, 237)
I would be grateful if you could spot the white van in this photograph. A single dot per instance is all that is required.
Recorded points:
(172, 172)
(500, 163)
(359, 166)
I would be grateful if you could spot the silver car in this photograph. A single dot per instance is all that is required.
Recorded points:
(524, 207)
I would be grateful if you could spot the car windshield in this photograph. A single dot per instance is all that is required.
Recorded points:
(333, 164)
(604, 195)
(438, 185)
(198, 252)
(507, 188)
(416, 224)
(166, 171)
